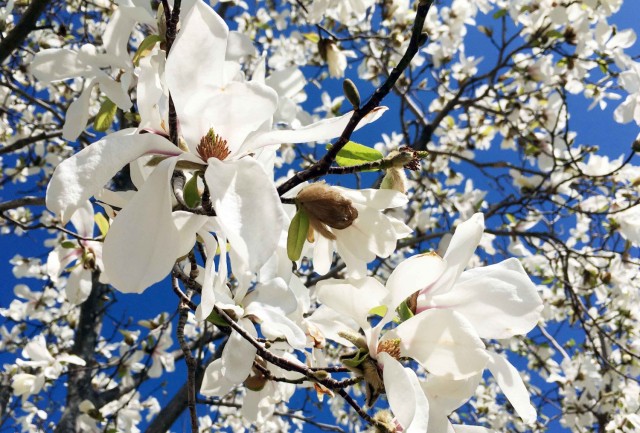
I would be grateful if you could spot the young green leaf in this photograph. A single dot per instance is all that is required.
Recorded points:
(102, 223)
(145, 48)
(297, 234)
(191, 195)
(105, 116)
(355, 154)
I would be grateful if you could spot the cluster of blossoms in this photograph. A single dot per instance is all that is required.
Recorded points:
(203, 149)
(226, 146)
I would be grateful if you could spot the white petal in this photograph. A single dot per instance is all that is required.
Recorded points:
(462, 245)
(460, 428)
(287, 82)
(414, 274)
(274, 324)
(78, 114)
(233, 111)
(380, 199)
(239, 354)
(58, 259)
(274, 293)
(406, 398)
(202, 37)
(114, 91)
(244, 198)
(83, 221)
(78, 286)
(323, 250)
(85, 173)
(214, 382)
(446, 395)
(320, 131)
(239, 45)
(210, 285)
(56, 65)
(353, 298)
(443, 342)
(143, 242)
(499, 300)
(513, 387)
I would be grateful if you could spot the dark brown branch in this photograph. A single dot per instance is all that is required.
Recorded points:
(23, 142)
(27, 24)
(322, 167)
(20, 202)
(84, 346)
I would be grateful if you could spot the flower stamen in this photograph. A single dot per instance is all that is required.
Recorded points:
(213, 146)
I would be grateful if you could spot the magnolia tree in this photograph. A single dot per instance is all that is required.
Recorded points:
(471, 265)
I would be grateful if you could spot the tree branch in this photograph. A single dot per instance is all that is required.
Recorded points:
(322, 167)
(20, 32)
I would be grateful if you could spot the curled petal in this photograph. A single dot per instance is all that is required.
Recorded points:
(414, 274)
(85, 173)
(462, 246)
(444, 342)
(244, 197)
(78, 114)
(512, 385)
(499, 300)
(406, 398)
(323, 130)
(146, 238)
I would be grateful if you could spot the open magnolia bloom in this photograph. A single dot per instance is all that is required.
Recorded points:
(353, 223)
(86, 254)
(445, 312)
(269, 304)
(223, 120)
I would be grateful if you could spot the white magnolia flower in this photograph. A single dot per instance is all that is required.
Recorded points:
(356, 226)
(453, 311)
(222, 119)
(86, 254)
(270, 304)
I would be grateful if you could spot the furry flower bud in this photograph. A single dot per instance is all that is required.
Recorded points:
(326, 207)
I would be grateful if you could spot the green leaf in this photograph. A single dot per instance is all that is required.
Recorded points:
(105, 116)
(102, 223)
(297, 234)
(554, 34)
(500, 14)
(404, 312)
(191, 195)
(380, 310)
(355, 154)
(313, 37)
(69, 244)
(145, 47)
(358, 358)
(216, 319)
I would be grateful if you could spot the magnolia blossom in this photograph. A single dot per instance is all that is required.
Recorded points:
(46, 366)
(223, 121)
(453, 311)
(353, 223)
(87, 255)
(269, 303)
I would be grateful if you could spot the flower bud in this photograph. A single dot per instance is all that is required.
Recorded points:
(326, 207)
(351, 92)
(395, 179)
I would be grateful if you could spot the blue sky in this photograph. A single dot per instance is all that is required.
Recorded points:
(593, 127)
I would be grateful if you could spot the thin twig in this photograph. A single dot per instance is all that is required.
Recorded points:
(321, 167)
